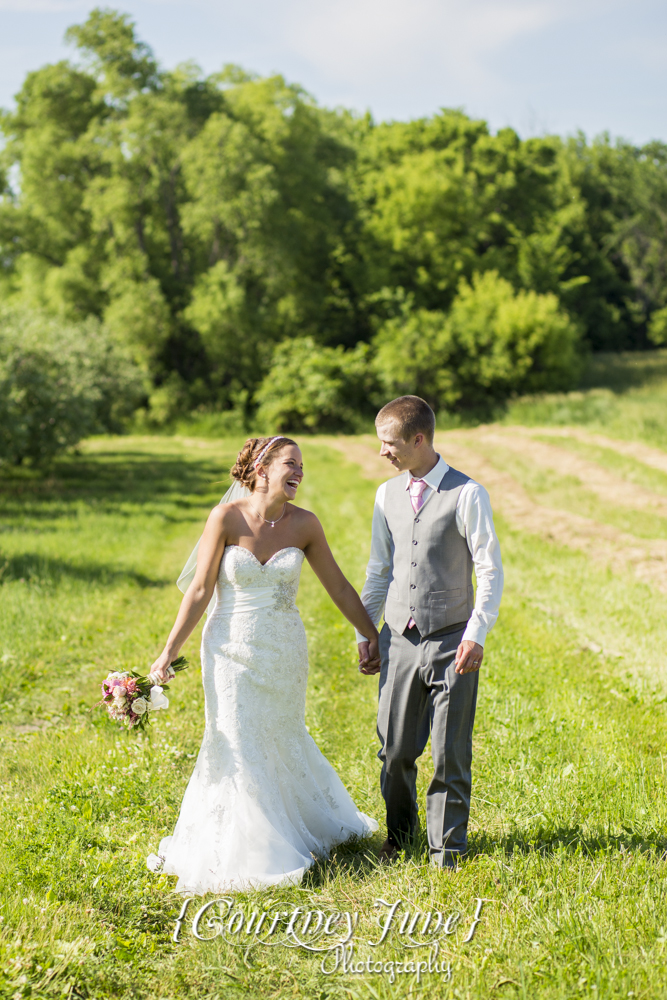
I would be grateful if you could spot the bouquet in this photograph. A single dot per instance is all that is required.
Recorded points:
(130, 697)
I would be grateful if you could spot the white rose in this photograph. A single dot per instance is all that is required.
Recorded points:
(158, 699)
(139, 706)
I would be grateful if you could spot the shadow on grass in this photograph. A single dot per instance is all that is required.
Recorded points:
(624, 370)
(567, 838)
(109, 482)
(38, 569)
(360, 859)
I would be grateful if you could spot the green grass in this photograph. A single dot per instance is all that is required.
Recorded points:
(568, 492)
(569, 817)
(623, 395)
(628, 468)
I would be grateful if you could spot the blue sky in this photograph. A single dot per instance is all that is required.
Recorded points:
(537, 65)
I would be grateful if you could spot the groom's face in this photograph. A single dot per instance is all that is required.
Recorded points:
(400, 453)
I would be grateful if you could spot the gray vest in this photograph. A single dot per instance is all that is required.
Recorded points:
(430, 578)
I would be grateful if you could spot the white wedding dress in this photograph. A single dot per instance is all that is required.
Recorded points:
(262, 801)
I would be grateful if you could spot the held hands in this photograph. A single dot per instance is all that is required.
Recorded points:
(469, 657)
(369, 657)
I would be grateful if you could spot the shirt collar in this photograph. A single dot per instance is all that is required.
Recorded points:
(432, 478)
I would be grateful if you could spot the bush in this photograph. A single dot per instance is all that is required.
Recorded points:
(59, 382)
(314, 388)
(657, 328)
(493, 343)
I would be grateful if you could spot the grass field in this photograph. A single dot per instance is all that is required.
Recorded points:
(569, 815)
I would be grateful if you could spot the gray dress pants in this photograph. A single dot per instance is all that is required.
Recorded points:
(420, 691)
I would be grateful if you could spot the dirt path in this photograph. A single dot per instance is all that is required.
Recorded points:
(607, 485)
(364, 452)
(605, 545)
(643, 453)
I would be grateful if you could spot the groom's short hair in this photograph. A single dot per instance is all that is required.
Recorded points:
(411, 415)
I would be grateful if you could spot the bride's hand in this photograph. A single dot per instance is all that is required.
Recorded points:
(162, 670)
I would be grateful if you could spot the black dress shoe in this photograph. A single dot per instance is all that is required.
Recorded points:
(388, 852)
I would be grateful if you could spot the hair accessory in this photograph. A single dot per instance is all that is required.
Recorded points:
(266, 448)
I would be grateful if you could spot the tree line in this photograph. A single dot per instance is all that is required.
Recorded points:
(251, 251)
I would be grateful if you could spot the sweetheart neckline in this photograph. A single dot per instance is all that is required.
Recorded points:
(263, 564)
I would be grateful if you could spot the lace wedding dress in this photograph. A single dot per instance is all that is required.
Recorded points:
(262, 800)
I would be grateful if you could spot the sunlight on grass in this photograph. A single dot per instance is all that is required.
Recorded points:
(569, 813)
(624, 396)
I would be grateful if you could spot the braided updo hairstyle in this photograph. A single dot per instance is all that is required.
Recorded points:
(244, 469)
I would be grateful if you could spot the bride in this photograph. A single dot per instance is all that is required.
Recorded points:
(262, 800)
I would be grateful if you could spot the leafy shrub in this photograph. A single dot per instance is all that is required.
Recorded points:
(59, 382)
(493, 343)
(314, 388)
(657, 328)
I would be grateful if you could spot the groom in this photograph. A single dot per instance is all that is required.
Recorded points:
(431, 525)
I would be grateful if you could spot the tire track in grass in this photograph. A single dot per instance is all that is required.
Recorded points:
(602, 543)
(363, 451)
(607, 485)
(643, 453)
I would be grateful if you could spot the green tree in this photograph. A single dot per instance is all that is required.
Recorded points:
(493, 343)
(202, 219)
(267, 211)
(641, 236)
(206, 219)
(442, 199)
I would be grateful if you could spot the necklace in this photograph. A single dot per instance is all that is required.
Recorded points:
(272, 523)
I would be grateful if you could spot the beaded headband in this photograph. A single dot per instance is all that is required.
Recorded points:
(266, 447)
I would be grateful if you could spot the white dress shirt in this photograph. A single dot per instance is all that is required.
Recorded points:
(474, 521)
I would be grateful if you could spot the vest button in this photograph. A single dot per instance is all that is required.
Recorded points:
(416, 520)
(413, 586)
(414, 541)
(413, 564)
(412, 609)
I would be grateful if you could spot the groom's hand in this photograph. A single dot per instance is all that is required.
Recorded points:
(469, 657)
(369, 658)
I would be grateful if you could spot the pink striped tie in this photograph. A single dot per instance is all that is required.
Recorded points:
(417, 487)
